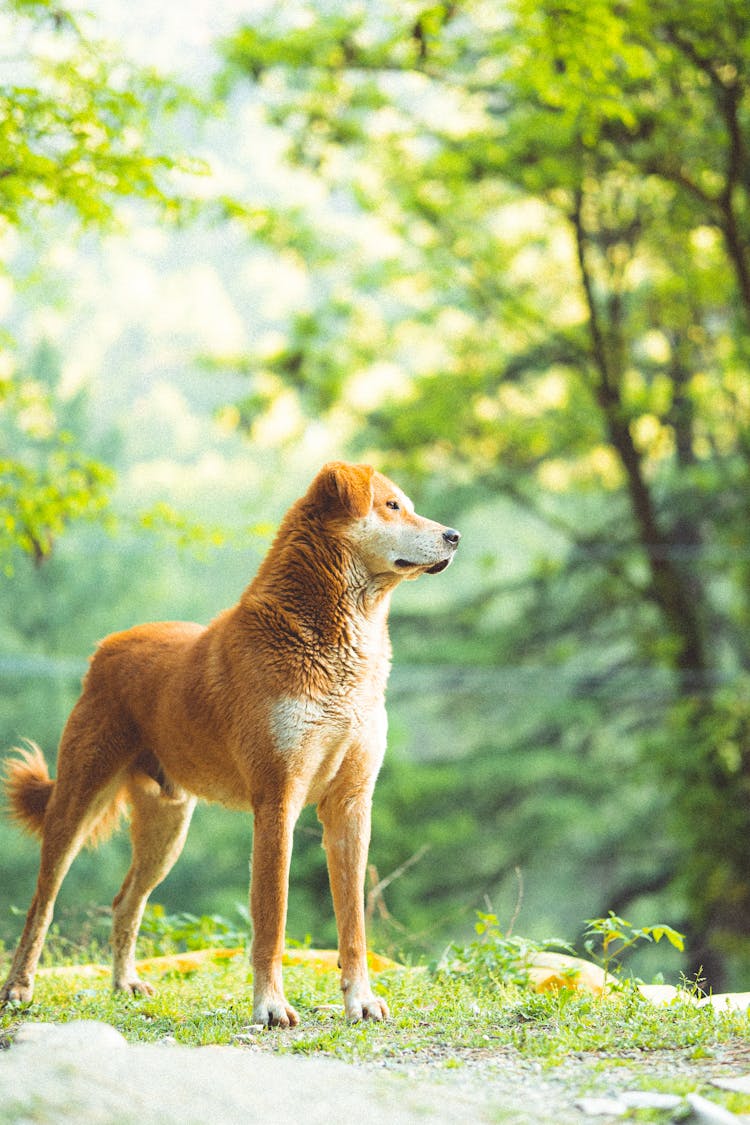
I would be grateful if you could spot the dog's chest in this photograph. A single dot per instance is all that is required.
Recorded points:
(301, 722)
(313, 736)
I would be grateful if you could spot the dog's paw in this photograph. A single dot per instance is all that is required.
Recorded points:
(367, 1007)
(275, 1013)
(15, 993)
(134, 987)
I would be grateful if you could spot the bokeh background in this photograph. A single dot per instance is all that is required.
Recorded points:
(500, 250)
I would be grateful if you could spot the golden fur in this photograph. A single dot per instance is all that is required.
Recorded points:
(279, 702)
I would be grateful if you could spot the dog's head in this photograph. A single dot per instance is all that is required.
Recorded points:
(380, 523)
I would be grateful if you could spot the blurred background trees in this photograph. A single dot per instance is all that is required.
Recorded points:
(516, 241)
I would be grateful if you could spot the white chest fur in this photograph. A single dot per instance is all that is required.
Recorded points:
(313, 738)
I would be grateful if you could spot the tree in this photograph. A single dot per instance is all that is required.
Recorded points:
(556, 310)
(76, 140)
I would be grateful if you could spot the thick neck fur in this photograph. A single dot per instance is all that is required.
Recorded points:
(311, 576)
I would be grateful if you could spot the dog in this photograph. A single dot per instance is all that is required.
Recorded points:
(278, 703)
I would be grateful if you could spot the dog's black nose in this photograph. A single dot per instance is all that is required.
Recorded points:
(450, 535)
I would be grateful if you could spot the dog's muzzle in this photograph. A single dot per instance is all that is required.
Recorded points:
(451, 537)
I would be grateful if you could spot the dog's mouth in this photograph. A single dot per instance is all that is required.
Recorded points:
(404, 564)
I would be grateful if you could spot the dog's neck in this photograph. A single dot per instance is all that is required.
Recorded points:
(324, 593)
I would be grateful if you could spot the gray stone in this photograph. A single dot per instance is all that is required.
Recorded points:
(78, 1035)
(650, 1099)
(602, 1107)
(709, 1113)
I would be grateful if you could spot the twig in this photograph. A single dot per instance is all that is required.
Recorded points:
(375, 895)
(519, 902)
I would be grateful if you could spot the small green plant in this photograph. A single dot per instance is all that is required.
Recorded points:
(495, 957)
(163, 933)
(606, 940)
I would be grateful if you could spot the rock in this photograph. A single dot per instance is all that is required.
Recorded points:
(48, 1077)
(709, 1113)
(78, 1035)
(602, 1107)
(727, 1002)
(738, 1085)
(650, 1099)
(665, 995)
(630, 1099)
(552, 972)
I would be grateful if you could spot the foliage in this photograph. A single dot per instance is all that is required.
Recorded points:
(161, 933)
(77, 140)
(544, 298)
(494, 957)
(77, 123)
(608, 939)
(46, 480)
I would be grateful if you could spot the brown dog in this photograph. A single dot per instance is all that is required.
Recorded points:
(278, 703)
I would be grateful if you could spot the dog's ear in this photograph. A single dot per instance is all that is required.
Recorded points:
(340, 486)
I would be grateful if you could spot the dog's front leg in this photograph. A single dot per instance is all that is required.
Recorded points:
(272, 850)
(346, 837)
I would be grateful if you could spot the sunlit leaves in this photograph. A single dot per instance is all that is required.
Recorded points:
(76, 138)
(75, 122)
(37, 501)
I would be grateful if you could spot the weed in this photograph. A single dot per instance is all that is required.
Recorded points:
(163, 933)
(494, 957)
(606, 940)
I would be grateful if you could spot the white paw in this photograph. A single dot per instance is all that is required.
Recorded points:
(274, 1013)
(365, 1007)
(12, 993)
(134, 986)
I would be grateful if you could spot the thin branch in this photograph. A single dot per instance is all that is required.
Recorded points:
(375, 894)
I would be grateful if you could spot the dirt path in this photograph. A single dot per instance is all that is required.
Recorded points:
(86, 1073)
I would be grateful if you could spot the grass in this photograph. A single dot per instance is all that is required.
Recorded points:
(444, 1018)
(433, 1015)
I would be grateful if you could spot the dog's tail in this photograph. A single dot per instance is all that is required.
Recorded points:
(28, 787)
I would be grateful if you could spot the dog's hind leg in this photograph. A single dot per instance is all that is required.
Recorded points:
(159, 824)
(81, 798)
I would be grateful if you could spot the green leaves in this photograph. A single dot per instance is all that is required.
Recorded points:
(76, 137)
(496, 959)
(46, 481)
(75, 129)
(37, 503)
(608, 939)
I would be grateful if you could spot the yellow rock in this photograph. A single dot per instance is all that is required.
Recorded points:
(727, 1002)
(185, 962)
(327, 960)
(320, 960)
(663, 995)
(551, 972)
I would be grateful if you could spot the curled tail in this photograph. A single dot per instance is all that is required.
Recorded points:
(28, 787)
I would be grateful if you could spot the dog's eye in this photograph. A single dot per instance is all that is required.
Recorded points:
(393, 505)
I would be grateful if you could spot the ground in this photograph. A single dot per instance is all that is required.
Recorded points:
(458, 1047)
(85, 1072)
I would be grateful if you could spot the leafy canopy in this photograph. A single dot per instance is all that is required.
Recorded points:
(77, 140)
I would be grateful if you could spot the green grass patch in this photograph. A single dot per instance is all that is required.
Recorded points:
(434, 1016)
(476, 1003)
